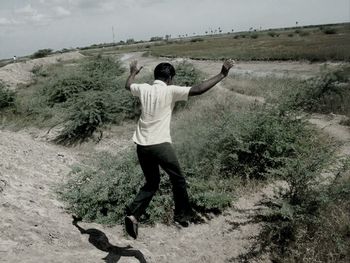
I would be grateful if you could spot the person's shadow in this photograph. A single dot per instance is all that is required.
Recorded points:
(100, 241)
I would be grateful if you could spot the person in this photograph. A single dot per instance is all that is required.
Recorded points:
(153, 140)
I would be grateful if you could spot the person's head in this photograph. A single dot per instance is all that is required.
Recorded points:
(164, 72)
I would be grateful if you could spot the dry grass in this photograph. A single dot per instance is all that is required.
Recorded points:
(314, 46)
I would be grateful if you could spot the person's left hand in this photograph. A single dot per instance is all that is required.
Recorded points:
(228, 64)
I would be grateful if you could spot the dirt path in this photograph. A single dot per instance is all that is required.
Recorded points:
(35, 228)
(251, 68)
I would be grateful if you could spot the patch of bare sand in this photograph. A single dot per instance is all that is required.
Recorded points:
(34, 226)
(21, 72)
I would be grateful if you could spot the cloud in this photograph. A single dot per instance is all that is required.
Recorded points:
(30, 15)
(27, 10)
(5, 21)
(61, 11)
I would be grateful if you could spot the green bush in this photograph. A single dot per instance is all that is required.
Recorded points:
(311, 224)
(187, 74)
(7, 97)
(197, 39)
(92, 110)
(254, 36)
(42, 53)
(325, 94)
(219, 148)
(250, 146)
(304, 33)
(273, 34)
(329, 31)
(82, 98)
(101, 193)
(39, 71)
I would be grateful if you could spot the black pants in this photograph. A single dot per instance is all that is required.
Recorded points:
(150, 158)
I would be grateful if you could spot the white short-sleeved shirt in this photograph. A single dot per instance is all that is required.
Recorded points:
(157, 102)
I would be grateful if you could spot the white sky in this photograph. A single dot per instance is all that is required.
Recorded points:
(29, 25)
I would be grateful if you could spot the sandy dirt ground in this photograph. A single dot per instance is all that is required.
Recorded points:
(21, 72)
(34, 226)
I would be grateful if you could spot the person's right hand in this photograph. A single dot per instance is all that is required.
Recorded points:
(133, 68)
(228, 64)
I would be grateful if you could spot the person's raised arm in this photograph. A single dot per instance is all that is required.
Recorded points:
(209, 83)
(133, 72)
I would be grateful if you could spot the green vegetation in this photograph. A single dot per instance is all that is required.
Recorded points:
(187, 74)
(328, 93)
(329, 31)
(81, 98)
(310, 45)
(309, 222)
(42, 53)
(273, 34)
(7, 97)
(218, 145)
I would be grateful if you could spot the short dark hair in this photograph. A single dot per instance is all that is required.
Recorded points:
(164, 71)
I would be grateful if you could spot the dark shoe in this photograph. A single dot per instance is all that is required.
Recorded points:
(131, 226)
(182, 219)
(182, 222)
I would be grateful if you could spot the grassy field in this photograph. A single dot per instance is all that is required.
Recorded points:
(317, 43)
(313, 43)
(309, 44)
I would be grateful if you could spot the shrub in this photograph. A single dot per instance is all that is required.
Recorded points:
(187, 74)
(86, 98)
(310, 225)
(256, 145)
(273, 34)
(101, 194)
(156, 39)
(290, 34)
(7, 97)
(197, 39)
(39, 71)
(304, 33)
(62, 89)
(327, 93)
(92, 110)
(130, 41)
(42, 53)
(252, 145)
(329, 31)
(254, 36)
